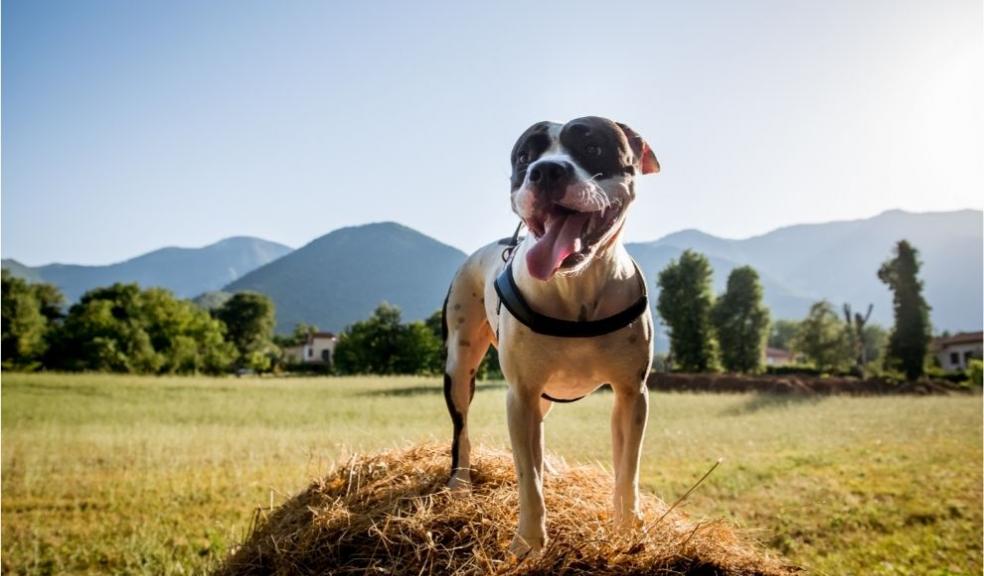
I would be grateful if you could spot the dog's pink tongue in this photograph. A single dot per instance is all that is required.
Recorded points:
(558, 242)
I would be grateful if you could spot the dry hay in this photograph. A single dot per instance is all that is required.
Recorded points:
(391, 514)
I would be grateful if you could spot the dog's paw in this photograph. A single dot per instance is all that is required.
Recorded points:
(628, 523)
(460, 484)
(522, 547)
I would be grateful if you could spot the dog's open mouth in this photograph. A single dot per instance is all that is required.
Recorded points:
(565, 238)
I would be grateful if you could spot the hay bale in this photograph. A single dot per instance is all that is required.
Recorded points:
(389, 513)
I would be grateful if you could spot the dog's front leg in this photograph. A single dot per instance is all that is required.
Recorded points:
(526, 435)
(629, 416)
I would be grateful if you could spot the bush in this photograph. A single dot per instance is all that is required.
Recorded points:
(976, 372)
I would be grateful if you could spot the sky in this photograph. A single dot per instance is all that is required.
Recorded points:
(128, 126)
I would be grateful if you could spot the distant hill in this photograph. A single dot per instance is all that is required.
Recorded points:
(783, 301)
(839, 261)
(342, 276)
(185, 271)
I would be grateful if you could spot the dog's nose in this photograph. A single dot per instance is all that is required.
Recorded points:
(550, 175)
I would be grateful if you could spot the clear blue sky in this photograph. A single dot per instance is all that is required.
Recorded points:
(132, 125)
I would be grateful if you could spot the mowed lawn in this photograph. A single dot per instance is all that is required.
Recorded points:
(111, 474)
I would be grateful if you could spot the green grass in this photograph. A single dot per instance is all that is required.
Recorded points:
(108, 474)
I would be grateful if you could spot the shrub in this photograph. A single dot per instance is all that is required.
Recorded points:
(976, 371)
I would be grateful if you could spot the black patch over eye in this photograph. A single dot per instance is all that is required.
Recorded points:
(598, 145)
(528, 148)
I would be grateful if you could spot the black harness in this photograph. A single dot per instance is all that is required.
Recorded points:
(510, 296)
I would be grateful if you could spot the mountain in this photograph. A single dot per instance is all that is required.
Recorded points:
(342, 276)
(839, 261)
(652, 257)
(185, 271)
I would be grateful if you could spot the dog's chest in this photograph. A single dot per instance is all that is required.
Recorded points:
(573, 366)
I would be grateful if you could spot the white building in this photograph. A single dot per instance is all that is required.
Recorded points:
(318, 349)
(778, 357)
(955, 352)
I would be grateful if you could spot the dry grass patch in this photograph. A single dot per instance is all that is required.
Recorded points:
(389, 513)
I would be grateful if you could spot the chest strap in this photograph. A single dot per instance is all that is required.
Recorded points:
(509, 295)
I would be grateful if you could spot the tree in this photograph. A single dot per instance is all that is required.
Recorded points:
(371, 346)
(741, 321)
(419, 351)
(874, 339)
(685, 302)
(382, 344)
(854, 326)
(105, 332)
(909, 339)
(26, 324)
(249, 318)
(187, 337)
(781, 334)
(821, 338)
(121, 328)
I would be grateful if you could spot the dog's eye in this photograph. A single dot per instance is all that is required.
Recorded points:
(523, 158)
(593, 150)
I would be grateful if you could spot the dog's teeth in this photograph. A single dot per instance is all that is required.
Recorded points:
(577, 245)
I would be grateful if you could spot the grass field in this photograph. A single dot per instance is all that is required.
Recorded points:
(107, 474)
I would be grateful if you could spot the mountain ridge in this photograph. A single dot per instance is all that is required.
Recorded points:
(185, 271)
(327, 281)
(342, 275)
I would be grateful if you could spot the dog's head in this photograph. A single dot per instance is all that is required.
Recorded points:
(571, 185)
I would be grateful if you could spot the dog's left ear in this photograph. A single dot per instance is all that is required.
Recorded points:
(644, 154)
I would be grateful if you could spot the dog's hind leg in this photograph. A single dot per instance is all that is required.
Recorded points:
(467, 337)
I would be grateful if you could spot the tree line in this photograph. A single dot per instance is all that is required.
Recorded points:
(123, 328)
(732, 330)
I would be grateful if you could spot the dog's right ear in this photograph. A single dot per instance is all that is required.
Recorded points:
(645, 159)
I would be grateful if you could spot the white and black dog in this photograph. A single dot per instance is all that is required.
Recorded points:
(566, 308)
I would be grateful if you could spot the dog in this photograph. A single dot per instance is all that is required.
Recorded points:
(565, 306)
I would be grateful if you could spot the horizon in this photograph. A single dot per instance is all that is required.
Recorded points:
(132, 126)
(440, 240)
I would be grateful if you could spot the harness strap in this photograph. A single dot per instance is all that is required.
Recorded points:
(546, 396)
(510, 296)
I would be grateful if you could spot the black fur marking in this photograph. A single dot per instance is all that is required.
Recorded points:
(598, 145)
(546, 396)
(457, 420)
(530, 145)
(444, 318)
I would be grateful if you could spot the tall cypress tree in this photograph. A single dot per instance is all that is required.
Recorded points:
(910, 336)
(685, 302)
(741, 321)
